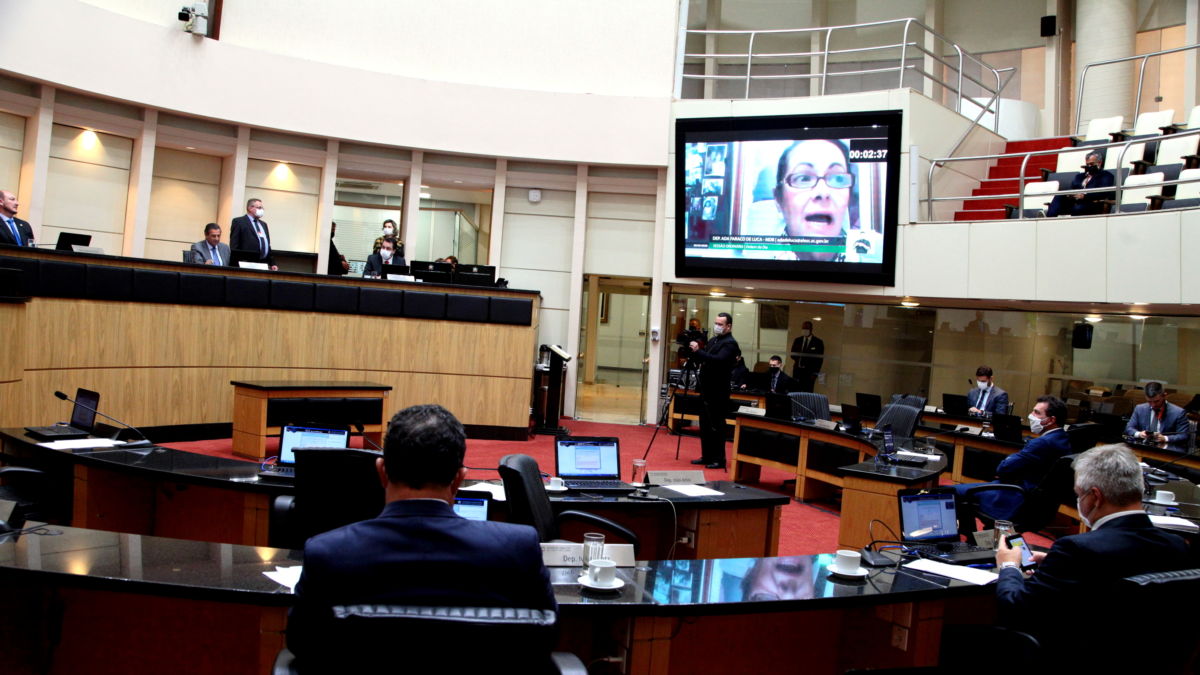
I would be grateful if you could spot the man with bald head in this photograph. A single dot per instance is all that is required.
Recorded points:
(13, 230)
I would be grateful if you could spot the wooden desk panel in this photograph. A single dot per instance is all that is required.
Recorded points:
(250, 428)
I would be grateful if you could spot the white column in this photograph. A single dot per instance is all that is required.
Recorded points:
(654, 310)
(929, 65)
(233, 183)
(712, 21)
(499, 190)
(816, 43)
(410, 215)
(1105, 29)
(575, 295)
(1056, 115)
(141, 179)
(35, 162)
(1191, 58)
(325, 205)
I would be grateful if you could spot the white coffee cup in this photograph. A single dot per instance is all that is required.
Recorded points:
(1164, 496)
(602, 572)
(556, 483)
(847, 561)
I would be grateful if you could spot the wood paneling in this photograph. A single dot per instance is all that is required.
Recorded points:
(12, 342)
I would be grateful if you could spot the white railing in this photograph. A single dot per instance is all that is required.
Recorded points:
(1023, 179)
(1137, 101)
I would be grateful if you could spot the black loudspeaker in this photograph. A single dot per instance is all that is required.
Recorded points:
(1081, 337)
(1049, 26)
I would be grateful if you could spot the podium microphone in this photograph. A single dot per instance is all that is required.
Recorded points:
(144, 443)
(359, 428)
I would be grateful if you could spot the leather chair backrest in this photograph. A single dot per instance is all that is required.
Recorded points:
(903, 419)
(526, 495)
(814, 404)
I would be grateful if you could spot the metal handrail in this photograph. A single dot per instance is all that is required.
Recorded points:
(1137, 102)
(1020, 194)
(826, 35)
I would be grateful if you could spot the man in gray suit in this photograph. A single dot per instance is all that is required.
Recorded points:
(1159, 421)
(211, 251)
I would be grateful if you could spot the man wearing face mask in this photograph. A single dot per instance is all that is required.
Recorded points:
(250, 234)
(1027, 467)
(716, 361)
(1159, 421)
(806, 351)
(777, 381)
(389, 230)
(386, 256)
(1073, 600)
(1085, 203)
(986, 397)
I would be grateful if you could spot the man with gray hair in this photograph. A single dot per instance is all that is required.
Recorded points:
(1085, 203)
(1075, 587)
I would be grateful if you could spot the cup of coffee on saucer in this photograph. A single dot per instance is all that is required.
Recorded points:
(601, 575)
(847, 563)
(556, 484)
(1165, 498)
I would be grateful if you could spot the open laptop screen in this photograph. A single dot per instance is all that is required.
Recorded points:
(83, 415)
(471, 508)
(309, 437)
(928, 516)
(588, 458)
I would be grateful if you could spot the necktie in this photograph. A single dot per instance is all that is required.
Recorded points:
(262, 239)
(12, 226)
(983, 400)
(216, 257)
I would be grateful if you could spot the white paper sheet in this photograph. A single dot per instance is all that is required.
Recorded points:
(971, 575)
(496, 491)
(694, 490)
(285, 576)
(81, 443)
(909, 453)
(1175, 523)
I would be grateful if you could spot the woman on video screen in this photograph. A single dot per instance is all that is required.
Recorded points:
(816, 191)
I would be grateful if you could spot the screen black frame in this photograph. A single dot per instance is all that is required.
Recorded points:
(789, 127)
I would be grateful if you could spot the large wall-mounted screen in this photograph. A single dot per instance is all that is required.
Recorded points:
(797, 197)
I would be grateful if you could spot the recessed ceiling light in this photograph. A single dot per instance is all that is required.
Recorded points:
(1139, 317)
(909, 303)
(1093, 318)
(816, 318)
(458, 181)
(749, 288)
(426, 195)
(717, 294)
(188, 147)
(748, 301)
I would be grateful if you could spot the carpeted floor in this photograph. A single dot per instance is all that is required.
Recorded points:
(805, 528)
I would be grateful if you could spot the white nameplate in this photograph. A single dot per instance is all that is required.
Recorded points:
(401, 277)
(828, 425)
(675, 477)
(751, 410)
(244, 264)
(567, 554)
(80, 248)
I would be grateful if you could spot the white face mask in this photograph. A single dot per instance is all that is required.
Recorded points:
(804, 332)
(387, 231)
(982, 385)
(385, 254)
(718, 329)
(258, 213)
(1084, 519)
(1035, 424)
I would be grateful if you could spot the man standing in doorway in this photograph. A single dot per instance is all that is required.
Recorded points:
(716, 361)
(806, 355)
(250, 233)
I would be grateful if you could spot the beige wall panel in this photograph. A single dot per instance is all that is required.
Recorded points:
(553, 327)
(10, 169)
(189, 166)
(1001, 259)
(164, 249)
(81, 145)
(12, 131)
(555, 287)
(1136, 247)
(180, 209)
(620, 206)
(537, 242)
(1070, 258)
(1189, 252)
(266, 175)
(554, 203)
(948, 244)
(88, 197)
(109, 241)
(292, 218)
(619, 247)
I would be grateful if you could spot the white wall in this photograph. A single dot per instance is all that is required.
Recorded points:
(12, 140)
(290, 197)
(87, 186)
(536, 254)
(620, 235)
(184, 194)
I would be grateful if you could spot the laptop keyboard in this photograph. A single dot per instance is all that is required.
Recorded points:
(955, 547)
(281, 471)
(593, 484)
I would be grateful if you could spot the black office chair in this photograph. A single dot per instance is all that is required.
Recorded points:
(420, 639)
(528, 503)
(334, 487)
(960, 652)
(808, 405)
(1039, 505)
(910, 400)
(903, 419)
(1180, 588)
(30, 489)
(1084, 436)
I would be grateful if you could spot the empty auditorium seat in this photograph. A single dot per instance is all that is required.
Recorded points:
(1035, 201)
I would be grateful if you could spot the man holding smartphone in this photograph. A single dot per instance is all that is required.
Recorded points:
(1071, 599)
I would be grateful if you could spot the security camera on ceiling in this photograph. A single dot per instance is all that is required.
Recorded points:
(195, 18)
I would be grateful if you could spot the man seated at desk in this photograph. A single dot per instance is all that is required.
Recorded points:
(419, 551)
(1027, 467)
(1159, 421)
(1068, 603)
(774, 380)
(986, 397)
(386, 256)
(211, 251)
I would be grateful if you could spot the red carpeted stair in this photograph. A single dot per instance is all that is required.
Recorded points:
(1003, 178)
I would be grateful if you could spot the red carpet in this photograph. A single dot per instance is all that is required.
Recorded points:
(805, 528)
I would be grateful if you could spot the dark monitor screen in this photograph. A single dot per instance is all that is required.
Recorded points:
(385, 270)
(426, 265)
(83, 415)
(790, 197)
(68, 239)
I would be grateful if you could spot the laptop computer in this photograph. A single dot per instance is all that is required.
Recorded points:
(83, 419)
(955, 404)
(590, 464)
(292, 437)
(869, 405)
(851, 419)
(1007, 428)
(67, 241)
(930, 518)
(471, 508)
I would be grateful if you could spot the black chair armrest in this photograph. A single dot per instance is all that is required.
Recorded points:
(566, 663)
(283, 505)
(1173, 128)
(21, 474)
(1120, 136)
(1046, 174)
(599, 521)
(1156, 201)
(992, 487)
(1009, 210)
(284, 663)
(1140, 166)
(1190, 161)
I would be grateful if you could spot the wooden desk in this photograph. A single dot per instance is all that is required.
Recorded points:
(756, 400)
(251, 399)
(809, 480)
(870, 493)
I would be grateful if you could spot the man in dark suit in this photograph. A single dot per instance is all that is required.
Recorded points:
(1159, 421)
(338, 265)
(418, 551)
(13, 230)
(986, 397)
(1027, 467)
(806, 351)
(1073, 601)
(211, 251)
(1085, 203)
(777, 381)
(386, 256)
(250, 233)
(716, 361)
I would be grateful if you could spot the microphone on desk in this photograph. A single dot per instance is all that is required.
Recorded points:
(1160, 472)
(358, 426)
(145, 442)
(810, 411)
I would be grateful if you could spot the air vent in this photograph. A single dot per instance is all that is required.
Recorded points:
(357, 185)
